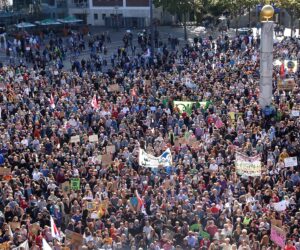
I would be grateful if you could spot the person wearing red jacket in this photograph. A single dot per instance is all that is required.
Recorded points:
(289, 246)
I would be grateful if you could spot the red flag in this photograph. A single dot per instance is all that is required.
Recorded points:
(133, 92)
(282, 71)
(54, 230)
(52, 103)
(219, 123)
(95, 103)
(140, 200)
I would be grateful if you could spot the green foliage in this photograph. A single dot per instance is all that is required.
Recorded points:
(179, 7)
(234, 7)
(291, 6)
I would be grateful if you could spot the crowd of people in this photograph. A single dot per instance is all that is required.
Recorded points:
(70, 141)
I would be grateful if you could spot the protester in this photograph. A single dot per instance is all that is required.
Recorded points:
(70, 145)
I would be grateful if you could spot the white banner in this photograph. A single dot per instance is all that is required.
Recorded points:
(23, 246)
(150, 161)
(247, 166)
(280, 206)
(290, 162)
(295, 113)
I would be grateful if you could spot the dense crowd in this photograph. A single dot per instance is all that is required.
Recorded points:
(199, 202)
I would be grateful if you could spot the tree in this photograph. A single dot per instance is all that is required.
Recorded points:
(237, 7)
(292, 7)
(181, 8)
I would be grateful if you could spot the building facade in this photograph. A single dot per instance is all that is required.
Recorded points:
(112, 13)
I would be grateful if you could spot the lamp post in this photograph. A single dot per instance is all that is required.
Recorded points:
(266, 57)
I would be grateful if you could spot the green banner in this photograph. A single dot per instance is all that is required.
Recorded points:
(204, 235)
(75, 184)
(187, 106)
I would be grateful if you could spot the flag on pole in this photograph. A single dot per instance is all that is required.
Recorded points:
(219, 123)
(52, 103)
(282, 71)
(54, 230)
(95, 103)
(10, 232)
(140, 202)
(23, 246)
(46, 245)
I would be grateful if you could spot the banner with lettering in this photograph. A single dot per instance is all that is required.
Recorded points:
(247, 166)
(187, 106)
(280, 206)
(291, 66)
(75, 184)
(150, 161)
(278, 236)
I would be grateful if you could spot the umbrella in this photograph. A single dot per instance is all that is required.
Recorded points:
(70, 19)
(25, 25)
(48, 22)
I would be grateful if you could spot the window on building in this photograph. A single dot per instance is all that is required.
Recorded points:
(103, 16)
(80, 3)
(95, 16)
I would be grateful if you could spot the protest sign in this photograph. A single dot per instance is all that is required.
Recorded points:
(111, 149)
(150, 161)
(295, 113)
(97, 159)
(179, 141)
(34, 228)
(280, 206)
(5, 171)
(196, 227)
(114, 88)
(102, 209)
(278, 236)
(204, 235)
(93, 138)
(286, 84)
(106, 159)
(291, 65)
(184, 106)
(75, 184)
(192, 141)
(94, 216)
(277, 223)
(290, 162)
(187, 106)
(74, 238)
(182, 140)
(5, 246)
(232, 116)
(91, 206)
(14, 225)
(65, 187)
(247, 166)
(75, 139)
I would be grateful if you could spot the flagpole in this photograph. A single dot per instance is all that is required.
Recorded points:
(151, 29)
